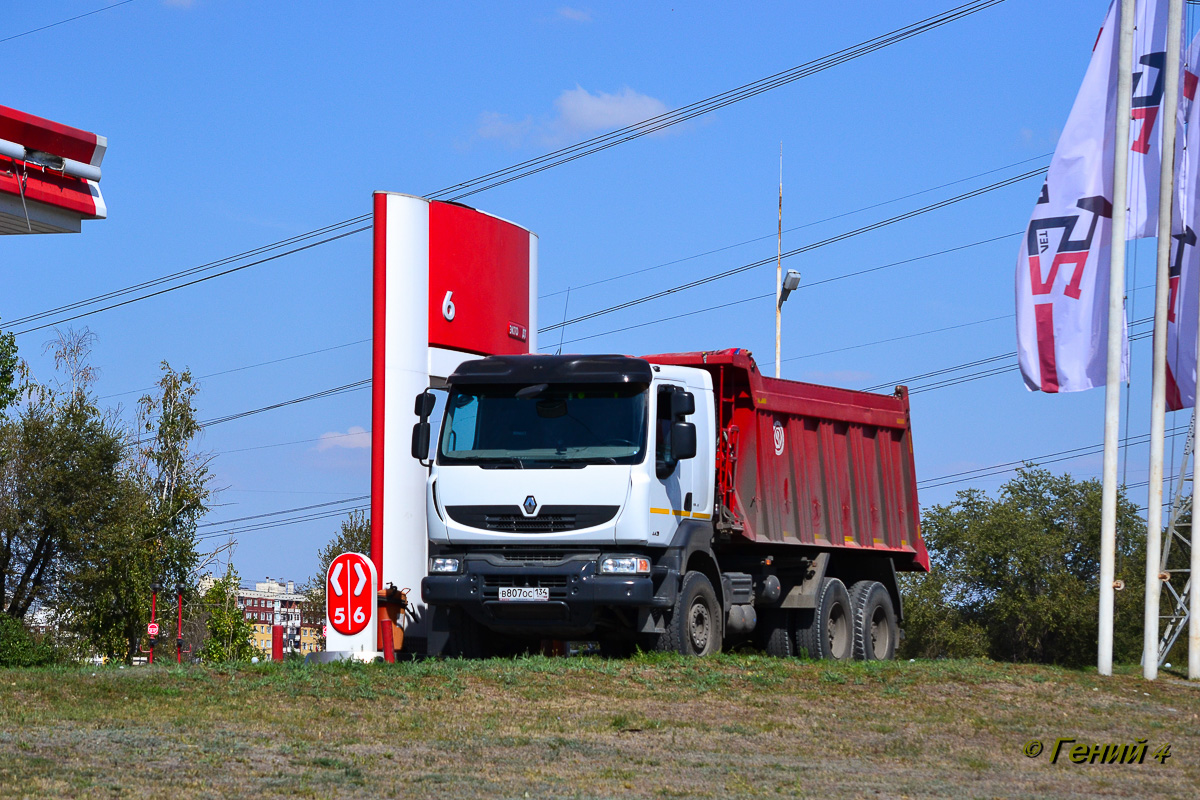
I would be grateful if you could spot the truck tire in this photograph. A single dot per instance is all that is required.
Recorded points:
(875, 633)
(828, 630)
(695, 625)
(776, 632)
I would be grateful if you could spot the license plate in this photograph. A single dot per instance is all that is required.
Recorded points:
(524, 593)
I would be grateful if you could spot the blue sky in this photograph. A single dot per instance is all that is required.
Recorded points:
(233, 125)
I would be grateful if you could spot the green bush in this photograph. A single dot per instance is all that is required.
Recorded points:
(1015, 577)
(18, 647)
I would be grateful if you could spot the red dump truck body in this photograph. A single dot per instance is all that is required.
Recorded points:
(808, 465)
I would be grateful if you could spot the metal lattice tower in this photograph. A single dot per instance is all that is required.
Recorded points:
(1178, 535)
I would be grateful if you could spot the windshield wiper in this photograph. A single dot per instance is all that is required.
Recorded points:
(502, 462)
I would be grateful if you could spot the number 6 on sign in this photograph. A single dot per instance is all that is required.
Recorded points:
(350, 593)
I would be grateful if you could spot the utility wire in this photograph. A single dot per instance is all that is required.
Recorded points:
(707, 105)
(811, 284)
(544, 162)
(285, 511)
(63, 22)
(797, 228)
(336, 390)
(797, 251)
(195, 281)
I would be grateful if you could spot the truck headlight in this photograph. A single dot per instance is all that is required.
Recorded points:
(625, 565)
(444, 565)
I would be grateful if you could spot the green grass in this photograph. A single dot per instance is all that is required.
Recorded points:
(651, 726)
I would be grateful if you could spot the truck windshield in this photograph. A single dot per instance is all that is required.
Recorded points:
(544, 426)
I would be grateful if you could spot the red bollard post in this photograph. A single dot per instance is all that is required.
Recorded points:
(179, 628)
(389, 647)
(277, 643)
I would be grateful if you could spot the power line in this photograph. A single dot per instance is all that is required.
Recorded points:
(336, 390)
(1049, 458)
(196, 281)
(63, 22)
(821, 282)
(285, 511)
(248, 366)
(546, 161)
(797, 228)
(797, 251)
(709, 104)
(192, 270)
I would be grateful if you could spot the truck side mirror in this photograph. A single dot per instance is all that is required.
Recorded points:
(683, 440)
(423, 407)
(420, 442)
(682, 404)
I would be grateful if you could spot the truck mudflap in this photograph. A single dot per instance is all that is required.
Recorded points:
(564, 599)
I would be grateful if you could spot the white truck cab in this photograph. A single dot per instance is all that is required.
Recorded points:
(564, 494)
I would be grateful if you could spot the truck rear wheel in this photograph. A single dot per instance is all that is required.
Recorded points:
(694, 628)
(874, 621)
(776, 632)
(828, 630)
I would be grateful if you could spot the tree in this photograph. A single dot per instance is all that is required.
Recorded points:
(60, 483)
(1016, 577)
(229, 632)
(91, 512)
(9, 389)
(354, 536)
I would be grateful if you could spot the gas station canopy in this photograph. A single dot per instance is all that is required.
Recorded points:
(49, 175)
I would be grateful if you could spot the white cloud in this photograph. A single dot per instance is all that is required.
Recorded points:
(580, 111)
(575, 14)
(354, 438)
(493, 125)
(576, 111)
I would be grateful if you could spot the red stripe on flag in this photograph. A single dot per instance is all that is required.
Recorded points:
(379, 340)
(1044, 313)
(1174, 401)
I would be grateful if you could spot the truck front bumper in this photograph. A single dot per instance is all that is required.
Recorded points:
(579, 596)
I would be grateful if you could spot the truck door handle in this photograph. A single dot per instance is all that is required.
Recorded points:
(687, 502)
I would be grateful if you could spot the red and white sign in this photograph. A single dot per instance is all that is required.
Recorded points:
(451, 283)
(49, 175)
(350, 593)
(152, 629)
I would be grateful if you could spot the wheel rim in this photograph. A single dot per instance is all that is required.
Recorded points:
(881, 634)
(839, 632)
(700, 627)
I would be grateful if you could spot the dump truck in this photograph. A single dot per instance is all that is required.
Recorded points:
(678, 502)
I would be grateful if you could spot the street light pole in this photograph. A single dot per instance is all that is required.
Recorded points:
(779, 271)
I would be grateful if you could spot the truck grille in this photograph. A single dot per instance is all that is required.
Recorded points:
(550, 519)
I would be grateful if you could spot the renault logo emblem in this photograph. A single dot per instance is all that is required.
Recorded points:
(530, 505)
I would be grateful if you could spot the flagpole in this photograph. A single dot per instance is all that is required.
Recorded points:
(1116, 328)
(1158, 402)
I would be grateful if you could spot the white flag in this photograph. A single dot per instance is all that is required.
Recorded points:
(1145, 132)
(1063, 267)
(1183, 309)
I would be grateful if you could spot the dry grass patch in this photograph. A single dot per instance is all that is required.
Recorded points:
(734, 725)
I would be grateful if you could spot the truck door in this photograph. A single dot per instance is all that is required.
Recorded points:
(673, 477)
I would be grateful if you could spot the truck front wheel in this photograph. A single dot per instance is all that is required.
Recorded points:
(694, 627)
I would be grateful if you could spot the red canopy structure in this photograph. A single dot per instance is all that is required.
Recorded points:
(49, 175)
